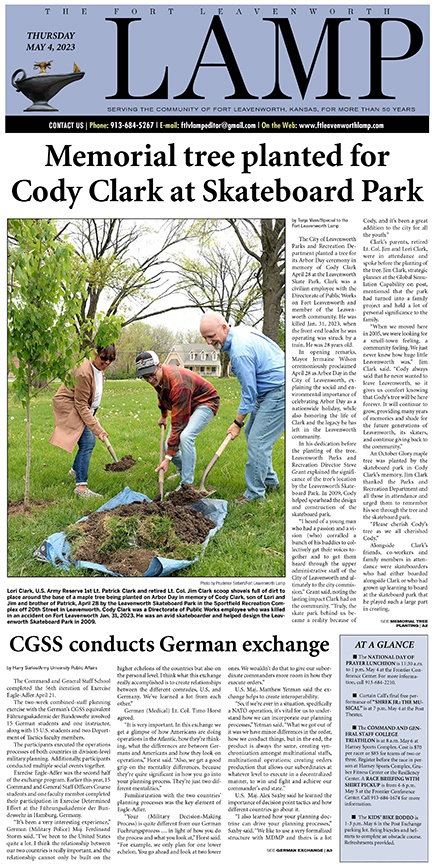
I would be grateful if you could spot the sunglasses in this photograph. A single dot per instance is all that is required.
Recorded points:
(105, 359)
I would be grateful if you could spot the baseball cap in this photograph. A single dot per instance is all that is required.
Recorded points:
(146, 363)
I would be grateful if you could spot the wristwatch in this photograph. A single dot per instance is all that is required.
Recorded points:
(237, 423)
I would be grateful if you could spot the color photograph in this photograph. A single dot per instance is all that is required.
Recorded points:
(146, 397)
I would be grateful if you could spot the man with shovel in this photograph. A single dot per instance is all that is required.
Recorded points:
(259, 365)
(193, 402)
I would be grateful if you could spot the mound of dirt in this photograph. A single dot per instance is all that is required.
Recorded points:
(186, 495)
(146, 529)
(122, 464)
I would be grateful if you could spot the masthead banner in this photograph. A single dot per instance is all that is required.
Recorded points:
(217, 68)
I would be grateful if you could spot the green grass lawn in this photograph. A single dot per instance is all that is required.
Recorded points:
(251, 542)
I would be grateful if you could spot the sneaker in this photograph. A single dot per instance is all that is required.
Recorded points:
(273, 487)
(86, 493)
(71, 472)
(243, 500)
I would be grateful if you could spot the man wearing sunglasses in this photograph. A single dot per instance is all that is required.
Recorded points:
(74, 413)
(192, 401)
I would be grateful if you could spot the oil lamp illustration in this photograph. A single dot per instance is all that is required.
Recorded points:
(42, 87)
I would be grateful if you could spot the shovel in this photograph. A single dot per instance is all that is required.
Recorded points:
(161, 472)
(112, 452)
(202, 488)
(119, 464)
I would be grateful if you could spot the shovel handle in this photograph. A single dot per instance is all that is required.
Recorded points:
(162, 431)
(112, 452)
(216, 456)
(161, 472)
(223, 445)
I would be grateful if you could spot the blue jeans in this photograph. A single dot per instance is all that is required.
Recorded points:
(80, 465)
(185, 459)
(264, 426)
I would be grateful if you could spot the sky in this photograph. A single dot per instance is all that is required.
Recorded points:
(184, 320)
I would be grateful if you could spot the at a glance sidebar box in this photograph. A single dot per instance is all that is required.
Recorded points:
(384, 748)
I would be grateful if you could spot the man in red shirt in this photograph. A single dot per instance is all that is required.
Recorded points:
(193, 402)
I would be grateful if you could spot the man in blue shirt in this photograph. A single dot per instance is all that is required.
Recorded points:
(259, 365)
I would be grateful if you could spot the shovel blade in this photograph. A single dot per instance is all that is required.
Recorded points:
(205, 493)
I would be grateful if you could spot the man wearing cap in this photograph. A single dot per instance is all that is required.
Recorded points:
(259, 365)
(193, 402)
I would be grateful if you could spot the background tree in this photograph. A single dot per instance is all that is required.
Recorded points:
(128, 266)
(188, 337)
(132, 339)
(222, 277)
(162, 340)
(264, 241)
(135, 338)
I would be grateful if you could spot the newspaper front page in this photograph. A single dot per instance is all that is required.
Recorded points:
(263, 693)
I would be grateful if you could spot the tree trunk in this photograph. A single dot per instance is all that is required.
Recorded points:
(273, 280)
(224, 359)
(271, 258)
(272, 299)
(28, 441)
